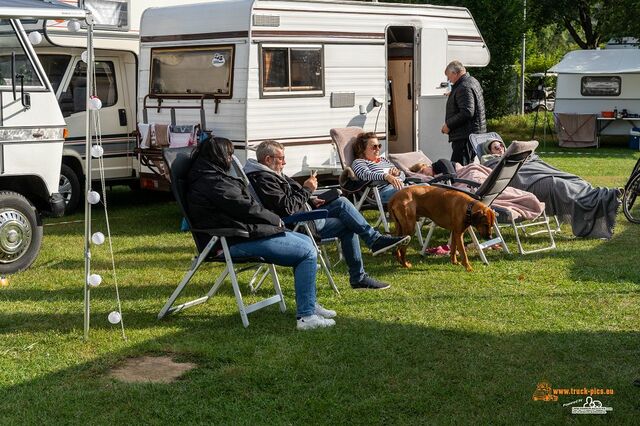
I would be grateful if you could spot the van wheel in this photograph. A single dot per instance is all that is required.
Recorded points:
(20, 234)
(69, 188)
(541, 108)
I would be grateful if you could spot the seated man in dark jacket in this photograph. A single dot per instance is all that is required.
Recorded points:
(284, 196)
(215, 199)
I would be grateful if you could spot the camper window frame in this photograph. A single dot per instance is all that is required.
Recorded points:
(289, 93)
(42, 87)
(614, 77)
(232, 47)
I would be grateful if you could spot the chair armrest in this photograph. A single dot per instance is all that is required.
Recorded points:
(306, 216)
(454, 179)
(414, 180)
(455, 188)
(223, 232)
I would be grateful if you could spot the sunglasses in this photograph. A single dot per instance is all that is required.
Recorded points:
(376, 146)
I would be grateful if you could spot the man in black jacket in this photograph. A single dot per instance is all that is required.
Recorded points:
(284, 196)
(465, 112)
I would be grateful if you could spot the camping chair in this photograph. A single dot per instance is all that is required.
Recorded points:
(476, 141)
(487, 192)
(301, 223)
(366, 194)
(178, 161)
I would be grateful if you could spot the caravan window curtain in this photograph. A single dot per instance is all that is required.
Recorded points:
(601, 86)
(108, 14)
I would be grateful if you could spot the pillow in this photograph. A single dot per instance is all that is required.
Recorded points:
(407, 159)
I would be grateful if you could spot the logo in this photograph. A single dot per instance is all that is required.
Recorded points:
(218, 60)
(543, 392)
(591, 406)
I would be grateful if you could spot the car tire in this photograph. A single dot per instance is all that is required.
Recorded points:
(20, 234)
(541, 108)
(69, 188)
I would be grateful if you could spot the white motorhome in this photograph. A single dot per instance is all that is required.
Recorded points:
(116, 41)
(292, 70)
(31, 136)
(592, 81)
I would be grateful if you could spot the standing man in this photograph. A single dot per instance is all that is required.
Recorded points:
(465, 112)
(284, 196)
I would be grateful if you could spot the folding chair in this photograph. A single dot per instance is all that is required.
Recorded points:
(178, 161)
(487, 192)
(300, 222)
(477, 140)
(366, 194)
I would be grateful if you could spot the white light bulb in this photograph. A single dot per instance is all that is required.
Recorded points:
(35, 37)
(93, 197)
(94, 280)
(84, 55)
(73, 26)
(97, 151)
(97, 238)
(114, 317)
(95, 103)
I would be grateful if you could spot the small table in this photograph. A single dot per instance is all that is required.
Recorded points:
(604, 122)
(323, 168)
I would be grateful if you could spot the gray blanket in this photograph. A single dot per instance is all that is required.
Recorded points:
(591, 211)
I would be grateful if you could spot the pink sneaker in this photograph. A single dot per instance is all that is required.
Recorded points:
(442, 250)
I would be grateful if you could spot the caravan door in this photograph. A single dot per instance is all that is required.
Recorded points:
(431, 49)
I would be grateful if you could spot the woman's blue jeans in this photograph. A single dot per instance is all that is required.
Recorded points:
(346, 223)
(288, 249)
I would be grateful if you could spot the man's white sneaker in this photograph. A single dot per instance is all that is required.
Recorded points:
(314, 321)
(323, 312)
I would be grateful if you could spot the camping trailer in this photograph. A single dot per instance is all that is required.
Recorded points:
(252, 70)
(592, 81)
(31, 135)
(116, 45)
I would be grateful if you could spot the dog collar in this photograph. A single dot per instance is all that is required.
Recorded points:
(467, 216)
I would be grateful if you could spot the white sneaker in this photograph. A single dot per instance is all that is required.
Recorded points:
(314, 321)
(323, 312)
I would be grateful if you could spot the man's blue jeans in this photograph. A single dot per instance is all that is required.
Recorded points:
(346, 223)
(288, 249)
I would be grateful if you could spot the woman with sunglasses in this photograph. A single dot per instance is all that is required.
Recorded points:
(370, 165)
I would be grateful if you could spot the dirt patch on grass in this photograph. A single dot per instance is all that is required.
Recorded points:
(151, 369)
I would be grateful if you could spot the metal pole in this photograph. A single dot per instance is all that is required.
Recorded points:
(87, 183)
(522, 60)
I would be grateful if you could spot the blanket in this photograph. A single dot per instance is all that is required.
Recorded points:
(591, 211)
(522, 204)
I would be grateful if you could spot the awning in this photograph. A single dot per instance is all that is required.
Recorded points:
(39, 9)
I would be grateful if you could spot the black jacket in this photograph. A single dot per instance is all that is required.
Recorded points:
(217, 200)
(465, 109)
(278, 193)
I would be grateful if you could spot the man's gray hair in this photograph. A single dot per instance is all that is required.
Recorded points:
(455, 67)
(266, 148)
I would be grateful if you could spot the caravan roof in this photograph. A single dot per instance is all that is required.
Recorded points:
(615, 61)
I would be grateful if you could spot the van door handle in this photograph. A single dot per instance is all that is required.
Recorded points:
(37, 134)
(122, 115)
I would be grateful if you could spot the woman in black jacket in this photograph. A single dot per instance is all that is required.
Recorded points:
(216, 199)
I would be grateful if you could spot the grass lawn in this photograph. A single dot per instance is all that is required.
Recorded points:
(442, 346)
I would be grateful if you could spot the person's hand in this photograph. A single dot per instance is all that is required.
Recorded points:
(394, 181)
(311, 183)
(445, 129)
(394, 171)
(316, 202)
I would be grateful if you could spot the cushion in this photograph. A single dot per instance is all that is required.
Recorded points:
(344, 139)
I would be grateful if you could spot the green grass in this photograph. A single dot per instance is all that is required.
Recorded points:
(442, 346)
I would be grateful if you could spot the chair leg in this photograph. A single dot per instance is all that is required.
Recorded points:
(478, 246)
(382, 218)
(432, 227)
(419, 225)
(236, 287)
(255, 287)
(323, 262)
(276, 285)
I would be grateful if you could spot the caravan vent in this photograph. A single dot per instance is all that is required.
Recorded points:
(266, 20)
(343, 99)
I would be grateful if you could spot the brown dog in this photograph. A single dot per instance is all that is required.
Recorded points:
(448, 208)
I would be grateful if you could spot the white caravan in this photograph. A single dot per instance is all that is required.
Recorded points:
(251, 70)
(31, 136)
(592, 81)
(116, 41)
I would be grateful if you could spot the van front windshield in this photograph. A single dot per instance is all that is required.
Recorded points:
(9, 45)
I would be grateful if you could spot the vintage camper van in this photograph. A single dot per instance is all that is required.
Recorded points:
(31, 136)
(116, 41)
(593, 81)
(251, 70)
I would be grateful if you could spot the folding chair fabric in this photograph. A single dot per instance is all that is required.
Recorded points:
(178, 161)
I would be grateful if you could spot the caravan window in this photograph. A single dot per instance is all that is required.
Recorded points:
(9, 45)
(291, 70)
(600, 86)
(192, 71)
(108, 14)
(73, 99)
(55, 66)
